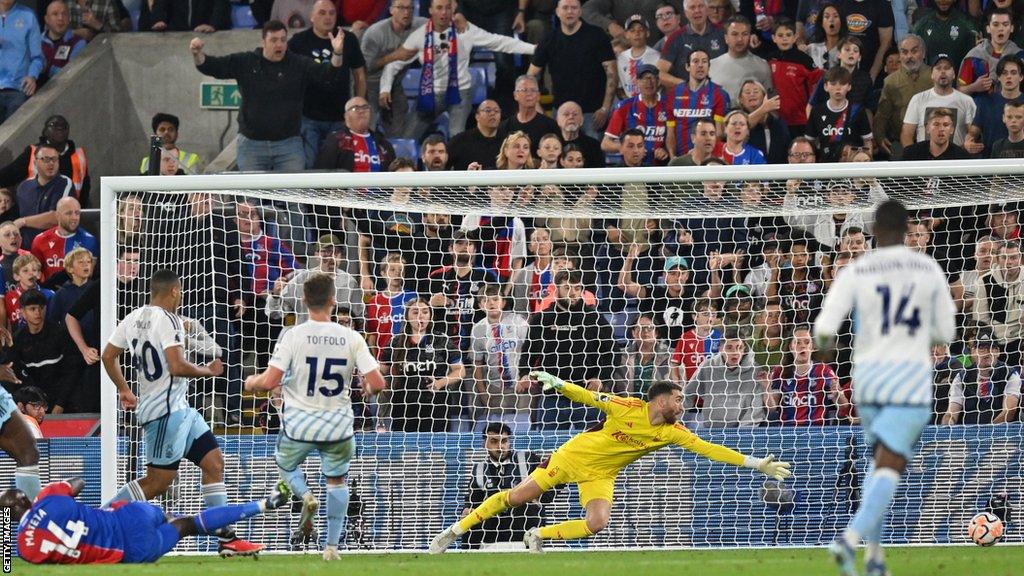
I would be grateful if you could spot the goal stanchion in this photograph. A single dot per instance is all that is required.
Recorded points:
(612, 279)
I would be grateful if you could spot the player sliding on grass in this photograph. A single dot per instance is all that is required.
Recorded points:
(57, 529)
(593, 459)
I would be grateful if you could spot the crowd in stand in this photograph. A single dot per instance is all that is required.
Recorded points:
(459, 308)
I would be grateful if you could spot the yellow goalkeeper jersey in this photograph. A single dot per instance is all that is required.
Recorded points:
(626, 435)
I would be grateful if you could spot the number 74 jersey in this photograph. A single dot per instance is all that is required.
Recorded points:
(146, 333)
(901, 305)
(318, 359)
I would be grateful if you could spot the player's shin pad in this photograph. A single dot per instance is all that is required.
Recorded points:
(492, 506)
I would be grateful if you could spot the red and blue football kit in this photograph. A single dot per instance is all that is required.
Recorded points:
(805, 398)
(50, 248)
(686, 106)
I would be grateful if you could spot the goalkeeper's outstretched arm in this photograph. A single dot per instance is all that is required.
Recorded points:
(571, 391)
(768, 465)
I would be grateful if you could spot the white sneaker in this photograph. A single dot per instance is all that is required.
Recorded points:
(331, 553)
(309, 507)
(534, 543)
(442, 541)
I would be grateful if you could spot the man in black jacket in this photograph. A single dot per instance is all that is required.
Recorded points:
(273, 83)
(355, 147)
(573, 341)
(503, 469)
(72, 159)
(42, 355)
(204, 16)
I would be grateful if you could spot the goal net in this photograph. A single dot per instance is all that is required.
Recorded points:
(611, 279)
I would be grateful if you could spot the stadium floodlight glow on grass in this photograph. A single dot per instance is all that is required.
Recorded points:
(410, 484)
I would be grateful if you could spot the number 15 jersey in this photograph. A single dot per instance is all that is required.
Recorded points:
(146, 333)
(901, 306)
(318, 359)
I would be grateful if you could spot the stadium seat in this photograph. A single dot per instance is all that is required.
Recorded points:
(241, 16)
(405, 148)
(411, 82)
(479, 76)
(485, 59)
(134, 14)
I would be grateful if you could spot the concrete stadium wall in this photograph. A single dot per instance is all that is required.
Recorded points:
(110, 92)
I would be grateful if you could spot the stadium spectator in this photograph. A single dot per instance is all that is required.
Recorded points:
(285, 302)
(728, 387)
(38, 196)
(1012, 146)
(731, 69)
(919, 236)
(90, 18)
(549, 150)
(529, 284)
(59, 43)
(997, 302)
(573, 340)
(825, 27)
(668, 303)
(445, 82)
(803, 392)
(692, 100)
(645, 360)
(941, 95)
(947, 30)
(27, 273)
(701, 140)
(324, 109)
(828, 228)
(480, 145)
(698, 343)
(497, 346)
(203, 16)
(719, 12)
(735, 150)
(51, 246)
(431, 238)
(73, 162)
(502, 238)
(571, 157)
(78, 266)
(434, 153)
(838, 121)
(381, 232)
(666, 18)
(505, 19)
(606, 15)
(570, 120)
(799, 285)
(293, 13)
(636, 54)
(10, 246)
(380, 45)
(991, 105)
(646, 112)
(698, 34)
(564, 260)
(41, 353)
(939, 145)
(768, 132)
(967, 284)
(501, 470)
(1001, 221)
(945, 369)
(8, 205)
(913, 77)
(988, 391)
(527, 118)
(582, 67)
(863, 90)
(355, 146)
(32, 404)
(423, 366)
(769, 344)
(166, 127)
(633, 148)
(21, 60)
(759, 275)
(793, 74)
(872, 23)
(273, 83)
(454, 289)
(129, 281)
(385, 310)
(977, 69)
(514, 154)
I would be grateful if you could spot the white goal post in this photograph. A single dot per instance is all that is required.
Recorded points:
(413, 480)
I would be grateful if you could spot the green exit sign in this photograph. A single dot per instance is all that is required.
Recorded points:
(219, 96)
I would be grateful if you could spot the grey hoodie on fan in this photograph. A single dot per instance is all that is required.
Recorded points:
(732, 397)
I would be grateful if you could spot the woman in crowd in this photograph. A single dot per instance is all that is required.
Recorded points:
(735, 150)
(829, 32)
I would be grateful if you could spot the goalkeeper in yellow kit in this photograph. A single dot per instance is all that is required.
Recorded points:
(592, 460)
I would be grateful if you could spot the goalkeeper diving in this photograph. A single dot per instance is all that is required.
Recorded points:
(592, 459)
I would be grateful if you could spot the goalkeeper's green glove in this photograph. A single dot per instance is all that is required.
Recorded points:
(550, 381)
(769, 466)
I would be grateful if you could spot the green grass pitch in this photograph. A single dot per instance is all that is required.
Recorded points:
(932, 561)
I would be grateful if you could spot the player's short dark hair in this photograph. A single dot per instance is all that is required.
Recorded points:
(432, 140)
(660, 388)
(44, 146)
(851, 40)
(784, 22)
(737, 19)
(702, 51)
(161, 117)
(273, 26)
(999, 12)
(32, 297)
(838, 75)
(891, 218)
(29, 395)
(497, 428)
(317, 290)
(163, 281)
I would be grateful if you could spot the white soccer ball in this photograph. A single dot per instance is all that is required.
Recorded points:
(985, 529)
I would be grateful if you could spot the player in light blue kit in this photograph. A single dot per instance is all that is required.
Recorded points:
(901, 306)
(316, 359)
(173, 429)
